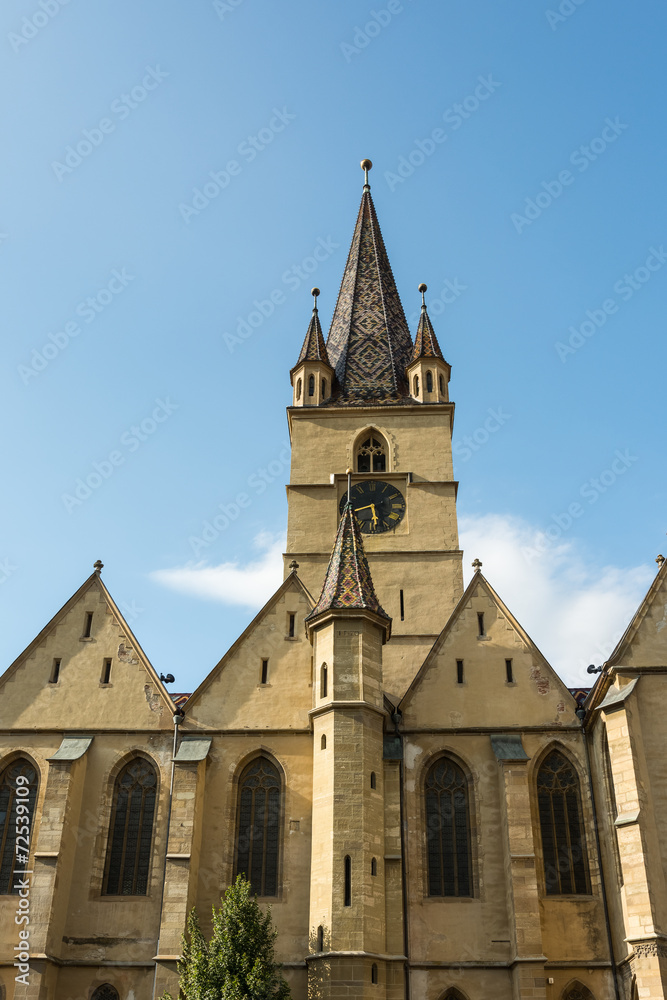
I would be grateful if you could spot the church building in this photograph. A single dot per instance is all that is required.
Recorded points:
(386, 755)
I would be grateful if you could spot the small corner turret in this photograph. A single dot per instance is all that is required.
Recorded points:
(312, 375)
(428, 373)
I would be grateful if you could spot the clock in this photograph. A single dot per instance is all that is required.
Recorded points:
(378, 506)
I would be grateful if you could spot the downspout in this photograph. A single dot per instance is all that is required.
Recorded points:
(179, 715)
(396, 717)
(581, 715)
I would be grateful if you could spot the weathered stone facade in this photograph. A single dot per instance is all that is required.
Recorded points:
(353, 699)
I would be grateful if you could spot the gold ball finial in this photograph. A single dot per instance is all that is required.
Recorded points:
(422, 288)
(366, 164)
(315, 292)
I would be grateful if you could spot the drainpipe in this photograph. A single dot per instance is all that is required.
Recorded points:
(396, 718)
(581, 715)
(179, 715)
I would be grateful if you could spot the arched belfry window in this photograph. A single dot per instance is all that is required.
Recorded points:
(105, 992)
(561, 827)
(448, 830)
(131, 830)
(18, 794)
(372, 453)
(258, 826)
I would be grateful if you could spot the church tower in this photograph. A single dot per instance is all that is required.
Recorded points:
(372, 401)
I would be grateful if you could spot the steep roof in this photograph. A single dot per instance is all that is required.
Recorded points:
(314, 348)
(348, 583)
(426, 342)
(369, 344)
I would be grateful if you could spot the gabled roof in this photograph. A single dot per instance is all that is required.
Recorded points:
(478, 580)
(369, 344)
(426, 342)
(348, 583)
(630, 633)
(314, 348)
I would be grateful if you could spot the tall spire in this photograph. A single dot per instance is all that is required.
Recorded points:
(426, 342)
(369, 344)
(348, 583)
(314, 348)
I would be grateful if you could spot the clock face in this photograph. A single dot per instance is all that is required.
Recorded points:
(379, 506)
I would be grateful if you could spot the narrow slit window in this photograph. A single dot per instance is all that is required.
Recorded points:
(416, 385)
(459, 671)
(324, 387)
(374, 974)
(402, 600)
(311, 385)
(106, 672)
(320, 938)
(323, 742)
(348, 880)
(429, 381)
(265, 671)
(373, 781)
(290, 626)
(441, 382)
(88, 624)
(374, 866)
(298, 388)
(480, 623)
(508, 672)
(323, 681)
(55, 671)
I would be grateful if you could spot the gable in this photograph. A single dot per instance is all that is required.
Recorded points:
(233, 695)
(79, 699)
(535, 695)
(644, 643)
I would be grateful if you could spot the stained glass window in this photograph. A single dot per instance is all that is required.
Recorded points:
(448, 831)
(561, 825)
(18, 788)
(258, 826)
(131, 830)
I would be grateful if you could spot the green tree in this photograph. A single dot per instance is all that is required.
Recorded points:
(238, 962)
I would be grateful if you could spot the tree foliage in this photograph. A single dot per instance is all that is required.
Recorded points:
(238, 962)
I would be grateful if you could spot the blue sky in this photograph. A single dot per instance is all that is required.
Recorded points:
(167, 167)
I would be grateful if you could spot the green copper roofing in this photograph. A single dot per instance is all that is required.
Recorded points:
(348, 583)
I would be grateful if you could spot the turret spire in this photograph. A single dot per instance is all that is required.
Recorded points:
(426, 342)
(369, 344)
(348, 584)
(314, 348)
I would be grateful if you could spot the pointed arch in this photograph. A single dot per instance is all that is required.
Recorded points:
(258, 825)
(129, 846)
(429, 381)
(19, 784)
(561, 821)
(105, 992)
(453, 994)
(577, 991)
(448, 829)
(371, 451)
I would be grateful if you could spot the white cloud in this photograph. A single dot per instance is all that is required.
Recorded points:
(575, 612)
(249, 585)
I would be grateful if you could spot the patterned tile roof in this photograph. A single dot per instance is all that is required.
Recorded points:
(426, 342)
(579, 694)
(348, 582)
(369, 344)
(314, 348)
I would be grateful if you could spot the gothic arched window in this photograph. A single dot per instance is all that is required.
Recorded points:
(105, 992)
(131, 830)
(577, 992)
(298, 388)
(448, 830)
(441, 383)
(372, 454)
(429, 381)
(258, 826)
(18, 794)
(311, 385)
(561, 827)
(415, 384)
(324, 388)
